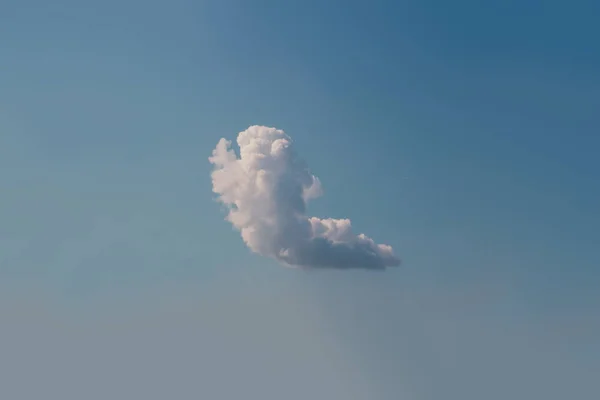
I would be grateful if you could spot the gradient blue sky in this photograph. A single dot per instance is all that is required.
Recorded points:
(465, 134)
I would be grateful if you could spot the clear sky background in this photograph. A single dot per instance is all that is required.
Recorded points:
(465, 134)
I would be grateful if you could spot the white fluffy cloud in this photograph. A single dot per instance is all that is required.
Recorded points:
(266, 189)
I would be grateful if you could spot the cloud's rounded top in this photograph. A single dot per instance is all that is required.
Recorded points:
(266, 190)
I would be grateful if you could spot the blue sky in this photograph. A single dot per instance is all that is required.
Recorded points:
(464, 134)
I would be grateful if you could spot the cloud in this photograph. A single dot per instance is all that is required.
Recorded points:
(266, 190)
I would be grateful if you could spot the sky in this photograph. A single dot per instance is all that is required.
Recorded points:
(463, 134)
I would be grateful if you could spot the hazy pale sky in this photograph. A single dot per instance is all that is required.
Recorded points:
(463, 134)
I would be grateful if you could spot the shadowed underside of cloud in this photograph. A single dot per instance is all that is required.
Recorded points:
(266, 190)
